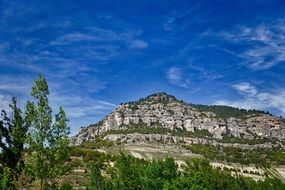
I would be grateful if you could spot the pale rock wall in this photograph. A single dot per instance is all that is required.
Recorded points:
(176, 115)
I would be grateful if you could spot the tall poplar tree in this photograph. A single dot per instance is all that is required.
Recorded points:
(47, 140)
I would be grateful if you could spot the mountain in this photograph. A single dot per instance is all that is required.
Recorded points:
(163, 118)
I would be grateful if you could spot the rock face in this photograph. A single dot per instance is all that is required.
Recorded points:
(165, 111)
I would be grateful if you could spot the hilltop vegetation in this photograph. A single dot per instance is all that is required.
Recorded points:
(226, 112)
(155, 98)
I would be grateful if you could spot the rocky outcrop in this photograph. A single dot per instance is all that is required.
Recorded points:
(165, 111)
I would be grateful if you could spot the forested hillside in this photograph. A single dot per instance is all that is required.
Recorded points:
(126, 172)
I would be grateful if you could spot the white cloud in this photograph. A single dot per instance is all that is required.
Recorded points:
(140, 44)
(13, 87)
(181, 19)
(247, 103)
(176, 77)
(254, 99)
(246, 87)
(73, 37)
(80, 112)
(262, 45)
(274, 100)
(95, 34)
(15, 84)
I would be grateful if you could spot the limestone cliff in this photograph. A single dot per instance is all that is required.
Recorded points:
(163, 111)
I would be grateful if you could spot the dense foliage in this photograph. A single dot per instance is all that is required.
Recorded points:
(131, 173)
(138, 128)
(226, 112)
(257, 140)
(12, 136)
(47, 140)
(262, 156)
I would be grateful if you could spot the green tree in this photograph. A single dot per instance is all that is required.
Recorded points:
(96, 179)
(159, 173)
(12, 139)
(126, 173)
(6, 180)
(48, 140)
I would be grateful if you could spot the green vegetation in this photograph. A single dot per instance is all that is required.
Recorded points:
(6, 178)
(131, 173)
(155, 98)
(138, 128)
(88, 156)
(96, 179)
(12, 136)
(261, 157)
(46, 142)
(161, 98)
(232, 139)
(226, 112)
(98, 143)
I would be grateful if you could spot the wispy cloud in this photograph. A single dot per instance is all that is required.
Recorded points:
(12, 87)
(260, 47)
(73, 37)
(78, 107)
(15, 85)
(95, 34)
(181, 19)
(138, 44)
(177, 77)
(68, 57)
(81, 109)
(256, 99)
(246, 88)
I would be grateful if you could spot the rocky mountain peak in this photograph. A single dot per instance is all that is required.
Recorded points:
(163, 113)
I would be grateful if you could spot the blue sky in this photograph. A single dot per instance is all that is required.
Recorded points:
(97, 54)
